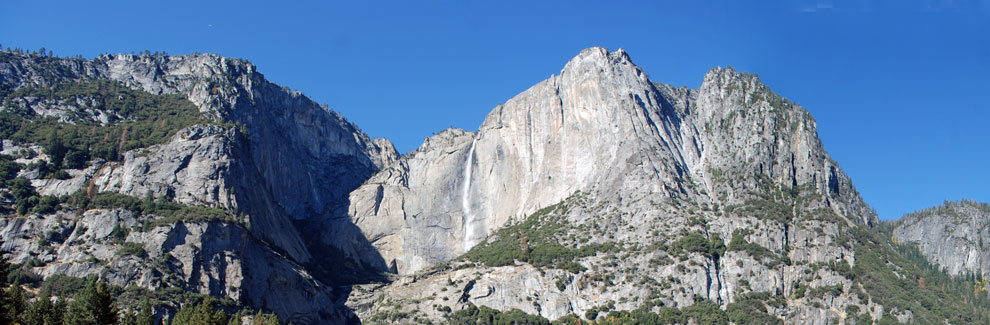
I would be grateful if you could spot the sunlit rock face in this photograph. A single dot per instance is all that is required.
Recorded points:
(954, 236)
(603, 126)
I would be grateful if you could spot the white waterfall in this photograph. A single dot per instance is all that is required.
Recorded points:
(466, 199)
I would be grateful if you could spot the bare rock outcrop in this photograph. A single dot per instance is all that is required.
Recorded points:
(954, 236)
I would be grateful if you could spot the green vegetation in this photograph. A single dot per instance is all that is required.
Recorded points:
(204, 313)
(44, 311)
(694, 242)
(134, 119)
(93, 305)
(171, 212)
(778, 202)
(760, 253)
(145, 119)
(135, 249)
(486, 316)
(748, 309)
(24, 197)
(20, 190)
(899, 277)
(8, 169)
(948, 209)
(751, 308)
(820, 292)
(536, 241)
(91, 301)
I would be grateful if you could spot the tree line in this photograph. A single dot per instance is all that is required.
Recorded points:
(95, 304)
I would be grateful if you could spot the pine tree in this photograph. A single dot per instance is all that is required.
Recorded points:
(15, 303)
(4, 313)
(93, 306)
(36, 312)
(201, 314)
(59, 310)
(4, 318)
(147, 314)
(265, 319)
(148, 203)
(55, 149)
(128, 318)
(44, 312)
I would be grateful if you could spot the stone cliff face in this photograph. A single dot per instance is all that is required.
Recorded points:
(595, 190)
(328, 155)
(634, 164)
(954, 236)
(602, 126)
(283, 163)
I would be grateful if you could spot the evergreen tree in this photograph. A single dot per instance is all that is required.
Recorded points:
(4, 313)
(55, 149)
(44, 312)
(36, 312)
(148, 204)
(15, 303)
(202, 314)
(147, 314)
(59, 308)
(93, 306)
(128, 318)
(265, 319)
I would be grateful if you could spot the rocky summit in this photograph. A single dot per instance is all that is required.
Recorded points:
(595, 195)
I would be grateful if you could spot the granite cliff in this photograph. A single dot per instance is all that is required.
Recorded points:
(601, 191)
(952, 235)
(233, 158)
(597, 194)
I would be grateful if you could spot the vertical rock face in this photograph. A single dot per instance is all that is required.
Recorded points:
(600, 126)
(954, 236)
(303, 159)
(596, 188)
(282, 162)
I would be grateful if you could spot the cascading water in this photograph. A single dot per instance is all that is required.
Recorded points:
(466, 199)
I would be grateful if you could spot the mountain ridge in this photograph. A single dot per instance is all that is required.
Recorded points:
(596, 191)
(577, 165)
(238, 167)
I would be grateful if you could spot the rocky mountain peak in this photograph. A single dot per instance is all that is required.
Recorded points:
(738, 89)
(599, 56)
(599, 126)
(600, 66)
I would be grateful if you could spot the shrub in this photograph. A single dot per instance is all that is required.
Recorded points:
(135, 249)
(488, 316)
(47, 204)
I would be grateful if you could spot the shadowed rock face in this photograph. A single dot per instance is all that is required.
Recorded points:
(954, 235)
(293, 162)
(599, 126)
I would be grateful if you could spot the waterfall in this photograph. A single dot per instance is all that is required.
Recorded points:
(466, 199)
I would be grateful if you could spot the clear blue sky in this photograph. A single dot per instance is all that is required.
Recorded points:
(899, 88)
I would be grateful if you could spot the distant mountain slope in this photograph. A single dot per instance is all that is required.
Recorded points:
(955, 235)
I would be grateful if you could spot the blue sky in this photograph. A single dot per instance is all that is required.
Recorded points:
(899, 88)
